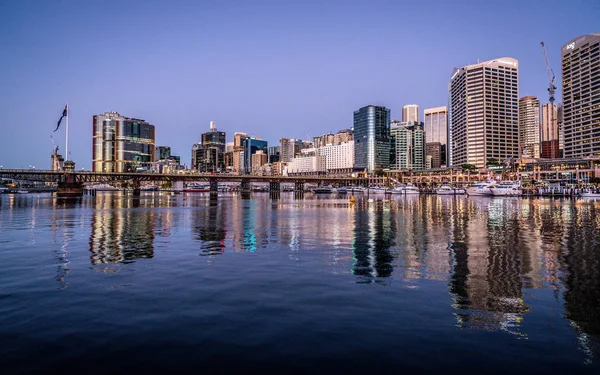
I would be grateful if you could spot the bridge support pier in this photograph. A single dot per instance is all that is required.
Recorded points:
(214, 188)
(274, 190)
(69, 187)
(245, 187)
(137, 191)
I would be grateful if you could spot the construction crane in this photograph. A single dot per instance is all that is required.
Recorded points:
(55, 147)
(551, 76)
(551, 90)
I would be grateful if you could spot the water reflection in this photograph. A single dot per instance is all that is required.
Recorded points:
(208, 225)
(122, 229)
(374, 234)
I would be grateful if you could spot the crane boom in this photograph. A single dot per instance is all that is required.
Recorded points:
(551, 76)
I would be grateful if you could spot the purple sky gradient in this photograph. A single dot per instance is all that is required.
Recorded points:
(269, 68)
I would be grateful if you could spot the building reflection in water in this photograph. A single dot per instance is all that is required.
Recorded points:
(122, 229)
(374, 235)
(208, 226)
(581, 259)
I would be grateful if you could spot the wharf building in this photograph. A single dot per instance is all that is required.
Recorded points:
(371, 138)
(529, 126)
(436, 135)
(581, 96)
(483, 115)
(410, 113)
(121, 144)
(210, 153)
(330, 159)
(408, 143)
(550, 147)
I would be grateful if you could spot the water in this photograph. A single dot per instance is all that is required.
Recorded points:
(113, 284)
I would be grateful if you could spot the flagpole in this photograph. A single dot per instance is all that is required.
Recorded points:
(67, 135)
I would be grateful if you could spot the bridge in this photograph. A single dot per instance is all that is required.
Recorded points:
(70, 183)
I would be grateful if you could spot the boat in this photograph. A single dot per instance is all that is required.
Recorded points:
(3, 190)
(355, 189)
(342, 190)
(379, 190)
(408, 189)
(323, 190)
(507, 189)
(22, 191)
(103, 187)
(149, 188)
(589, 194)
(446, 189)
(196, 187)
(481, 188)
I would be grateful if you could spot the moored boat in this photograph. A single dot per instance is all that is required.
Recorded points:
(323, 190)
(481, 188)
(408, 189)
(507, 189)
(446, 189)
(589, 194)
(196, 187)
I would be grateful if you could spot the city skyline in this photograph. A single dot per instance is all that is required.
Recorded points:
(304, 79)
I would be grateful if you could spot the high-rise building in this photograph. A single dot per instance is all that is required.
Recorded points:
(258, 160)
(371, 138)
(238, 149)
(529, 126)
(433, 153)
(436, 131)
(581, 101)
(483, 116)
(121, 144)
(289, 148)
(251, 146)
(343, 136)
(323, 140)
(550, 131)
(409, 145)
(274, 154)
(338, 158)
(410, 113)
(212, 152)
(162, 153)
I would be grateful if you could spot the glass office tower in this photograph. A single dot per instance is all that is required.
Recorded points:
(371, 138)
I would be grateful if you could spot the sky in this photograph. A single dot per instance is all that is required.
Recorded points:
(272, 69)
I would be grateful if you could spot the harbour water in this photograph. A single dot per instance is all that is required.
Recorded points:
(186, 283)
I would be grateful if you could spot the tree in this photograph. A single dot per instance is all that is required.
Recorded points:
(493, 162)
(469, 167)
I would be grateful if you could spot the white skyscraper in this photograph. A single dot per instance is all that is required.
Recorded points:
(483, 117)
(410, 113)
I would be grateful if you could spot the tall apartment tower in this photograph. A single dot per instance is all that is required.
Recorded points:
(238, 151)
(409, 146)
(581, 104)
(371, 138)
(550, 131)
(483, 117)
(529, 126)
(121, 144)
(410, 113)
(436, 131)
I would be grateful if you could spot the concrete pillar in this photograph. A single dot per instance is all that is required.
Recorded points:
(214, 188)
(245, 187)
(69, 187)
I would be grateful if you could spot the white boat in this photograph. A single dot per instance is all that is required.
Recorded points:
(3, 190)
(446, 189)
(196, 187)
(342, 190)
(355, 189)
(481, 188)
(323, 190)
(408, 189)
(507, 189)
(379, 190)
(103, 187)
(21, 191)
(589, 194)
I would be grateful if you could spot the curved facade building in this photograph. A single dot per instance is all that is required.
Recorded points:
(581, 96)
(121, 144)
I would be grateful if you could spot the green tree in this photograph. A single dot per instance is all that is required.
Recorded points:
(493, 162)
(469, 167)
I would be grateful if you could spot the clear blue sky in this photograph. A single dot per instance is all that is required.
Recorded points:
(270, 68)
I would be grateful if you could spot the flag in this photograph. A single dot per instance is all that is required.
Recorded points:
(61, 117)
